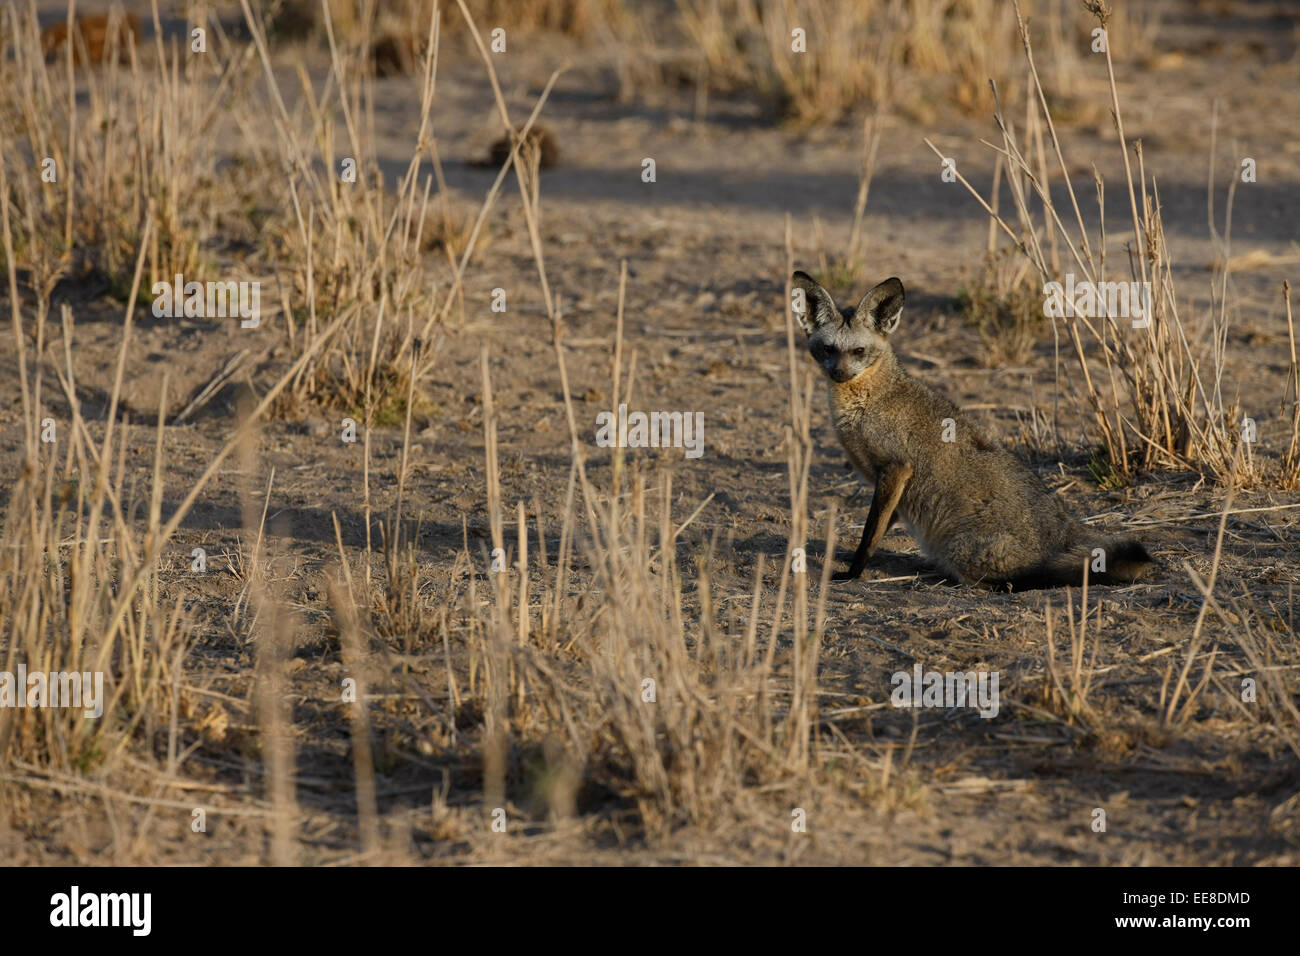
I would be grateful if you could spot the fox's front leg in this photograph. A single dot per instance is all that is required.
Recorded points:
(889, 489)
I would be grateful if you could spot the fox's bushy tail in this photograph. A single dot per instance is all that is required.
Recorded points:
(1124, 560)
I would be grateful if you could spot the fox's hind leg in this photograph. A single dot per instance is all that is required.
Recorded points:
(985, 559)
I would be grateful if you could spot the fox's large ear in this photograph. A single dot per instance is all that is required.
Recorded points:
(882, 307)
(818, 308)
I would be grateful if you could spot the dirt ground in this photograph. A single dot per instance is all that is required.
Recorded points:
(705, 250)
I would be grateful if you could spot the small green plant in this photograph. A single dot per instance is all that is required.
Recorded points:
(838, 275)
(1005, 309)
(1104, 471)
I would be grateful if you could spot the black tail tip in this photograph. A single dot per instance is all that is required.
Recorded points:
(1132, 550)
(1131, 560)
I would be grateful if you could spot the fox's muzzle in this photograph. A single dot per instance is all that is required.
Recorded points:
(838, 372)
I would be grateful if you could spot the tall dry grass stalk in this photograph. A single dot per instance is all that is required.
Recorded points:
(626, 669)
(877, 52)
(83, 580)
(1291, 463)
(350, 248)
(606, 654)
(85, 173)
(1271, 659)
(70, 540)
(81, 590)
(1066, 693)
(1154, 390)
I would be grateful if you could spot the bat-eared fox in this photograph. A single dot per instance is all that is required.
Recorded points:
(974, 508)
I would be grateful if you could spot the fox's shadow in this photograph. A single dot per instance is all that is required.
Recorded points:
(889, 564)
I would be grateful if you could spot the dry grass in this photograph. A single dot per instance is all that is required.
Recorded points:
(143, 138)
(882, 53)
(1006, 309)
(606, 671)
(81, 590)
(349, 249)
(556, 666)
(625, 682)
(622, 677)
(1155, 393)
(391, 37)
(1066, 693)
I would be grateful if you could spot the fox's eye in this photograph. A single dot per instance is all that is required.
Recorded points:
(859, 352)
